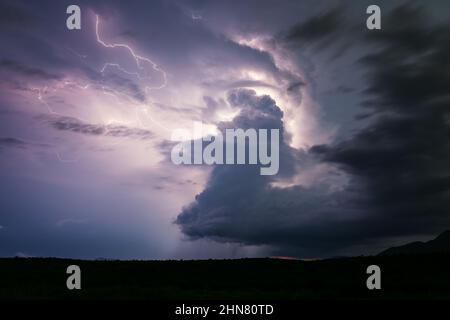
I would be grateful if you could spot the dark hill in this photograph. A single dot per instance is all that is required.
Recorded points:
(441, 244)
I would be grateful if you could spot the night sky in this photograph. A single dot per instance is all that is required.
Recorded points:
(86, 118)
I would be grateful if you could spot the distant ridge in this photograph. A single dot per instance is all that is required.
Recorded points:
(441, 244)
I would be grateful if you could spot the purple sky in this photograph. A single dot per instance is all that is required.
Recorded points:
(86, 118)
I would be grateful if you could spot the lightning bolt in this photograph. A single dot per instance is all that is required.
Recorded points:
(137, 58)
(107, 90)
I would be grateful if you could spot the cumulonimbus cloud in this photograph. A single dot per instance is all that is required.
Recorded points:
(397, 166)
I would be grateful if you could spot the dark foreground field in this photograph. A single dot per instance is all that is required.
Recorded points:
(403, 277)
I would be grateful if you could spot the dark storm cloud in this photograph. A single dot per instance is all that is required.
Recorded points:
(317, 28)
(111, 130)
(26, 70)
(399, 177)
(335, 28)
(403, 155)
(294, 87)
(12, 142)
(238, 203)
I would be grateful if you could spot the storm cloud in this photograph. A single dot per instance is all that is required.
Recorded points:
(111, 130)
(363, 119)
(396, 166)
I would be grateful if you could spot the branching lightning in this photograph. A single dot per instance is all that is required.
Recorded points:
(107, 90)
(136, 57)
